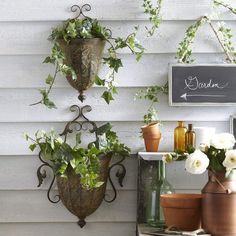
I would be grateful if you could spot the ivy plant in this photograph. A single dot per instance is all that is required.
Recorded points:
(184, 51)
(151, 94)
(222, 32)
(154, 14)
(88, 28)
(83, 161)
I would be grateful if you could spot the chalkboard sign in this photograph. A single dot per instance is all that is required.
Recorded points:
(202, 85)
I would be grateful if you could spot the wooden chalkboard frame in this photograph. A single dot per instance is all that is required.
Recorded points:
(233, 127)
(171, 103)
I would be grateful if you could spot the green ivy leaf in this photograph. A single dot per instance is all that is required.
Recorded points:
(32, 146)
(104, 129)
(114, 63)
(49, 79)
(99, 81)
(49, 60)
(107, 96)
(71, 30)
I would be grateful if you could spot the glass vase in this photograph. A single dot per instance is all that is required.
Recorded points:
(158, 186)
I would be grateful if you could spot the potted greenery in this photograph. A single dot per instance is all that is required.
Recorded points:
(81, 173)
(77, 53)
(219, 194)
(151, 130)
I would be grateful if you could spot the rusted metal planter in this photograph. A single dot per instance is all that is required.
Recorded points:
(219, 205)
(79, 201)
(84, 56)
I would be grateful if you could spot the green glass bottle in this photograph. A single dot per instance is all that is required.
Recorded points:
(159, 185)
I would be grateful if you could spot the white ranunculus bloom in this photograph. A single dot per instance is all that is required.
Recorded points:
(230, 160)
(223, 141)
(197, 162)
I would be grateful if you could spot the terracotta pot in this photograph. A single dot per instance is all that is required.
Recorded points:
(219, 204)
(152, 136)
(182, 210)
(84, 55)
(79, 201)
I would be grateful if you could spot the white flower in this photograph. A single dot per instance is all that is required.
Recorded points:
(223, 141)
(230, 160)
(167, 158)
(197, 162)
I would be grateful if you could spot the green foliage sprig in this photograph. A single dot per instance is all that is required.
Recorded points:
(154, 14)
(221, 3)
(184, 52)
(86, 29)
(150, 94)
(83, 161)
(222, 33)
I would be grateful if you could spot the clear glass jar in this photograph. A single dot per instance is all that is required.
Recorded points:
(158, 186)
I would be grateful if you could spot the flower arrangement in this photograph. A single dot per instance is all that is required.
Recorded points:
(216, 156)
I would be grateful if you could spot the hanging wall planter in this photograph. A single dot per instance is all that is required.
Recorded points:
(77, 53)
(81, 173)
(84, 56)
(79, 201)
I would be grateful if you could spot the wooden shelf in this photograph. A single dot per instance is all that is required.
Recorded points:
(152, 156)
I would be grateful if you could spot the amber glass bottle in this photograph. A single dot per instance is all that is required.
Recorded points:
(190, 137)
(179, 136)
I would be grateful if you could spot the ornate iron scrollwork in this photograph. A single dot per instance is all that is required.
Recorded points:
(82, 125)
(41, 173)
(81, 10)
(120, 174)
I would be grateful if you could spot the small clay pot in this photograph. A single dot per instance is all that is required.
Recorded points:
(152, 136)
(182, 211)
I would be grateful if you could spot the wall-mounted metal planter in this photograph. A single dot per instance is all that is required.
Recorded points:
(79, 201)
(84, 56)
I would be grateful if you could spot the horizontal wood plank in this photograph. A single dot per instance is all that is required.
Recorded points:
(72, 229)
(27, 38)
(23, 178)
(33, 206)
(29, 72)
(129, 133)
(110, 10)
(124, 108)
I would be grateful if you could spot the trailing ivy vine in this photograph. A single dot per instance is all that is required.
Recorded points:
(222, 32)
(154, 14)
(88, 28)
(150, 94)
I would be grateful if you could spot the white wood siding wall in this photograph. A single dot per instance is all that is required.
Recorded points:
(24, 28)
